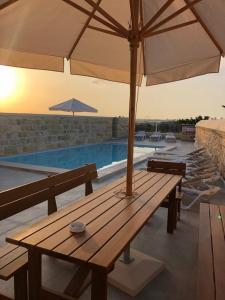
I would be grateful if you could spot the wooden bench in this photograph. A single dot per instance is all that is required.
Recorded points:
(211, 255)
(169, 168)
(13, 259)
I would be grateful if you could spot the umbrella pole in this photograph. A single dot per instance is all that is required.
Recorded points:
(133, 79)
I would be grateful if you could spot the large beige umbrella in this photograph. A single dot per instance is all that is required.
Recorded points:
(118, 40)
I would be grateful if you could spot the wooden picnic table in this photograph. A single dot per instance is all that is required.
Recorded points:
(112, 221)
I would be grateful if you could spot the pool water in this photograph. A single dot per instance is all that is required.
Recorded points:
(69, 158)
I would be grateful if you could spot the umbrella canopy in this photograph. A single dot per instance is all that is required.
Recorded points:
(166, 40)
(73, 106)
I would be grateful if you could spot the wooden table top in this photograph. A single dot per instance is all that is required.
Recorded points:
(111, 221)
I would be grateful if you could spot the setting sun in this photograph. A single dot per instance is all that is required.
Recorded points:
(8, 82)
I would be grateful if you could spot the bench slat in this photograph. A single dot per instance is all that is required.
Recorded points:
(12, 256)
(7, 248)
(218, 251)
(206, 286)
(9, 270)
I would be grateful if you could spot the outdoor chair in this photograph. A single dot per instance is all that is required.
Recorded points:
(169, 168)
(13, 259)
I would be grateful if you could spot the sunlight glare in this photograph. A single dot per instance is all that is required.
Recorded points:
(8, 82)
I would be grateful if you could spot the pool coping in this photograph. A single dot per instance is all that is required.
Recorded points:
(102, 172)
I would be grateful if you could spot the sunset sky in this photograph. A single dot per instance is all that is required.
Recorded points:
(33, 91)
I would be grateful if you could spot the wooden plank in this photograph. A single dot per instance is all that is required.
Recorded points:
(43, 184)
(98, 218)
(20, 284)
(119, 241)
(12, 256)
(167, 167)
(51, 219)
(34, 267)
(222, 213)
(99, 285)
(206, 286)
(9, 270)
(19, 205)
(218, 243)
(172, 211)
(76, 283)
(5, 249)
(47, 231)
(112, 228)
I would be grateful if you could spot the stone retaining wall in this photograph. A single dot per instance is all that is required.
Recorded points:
(211, 135)
(21, 133)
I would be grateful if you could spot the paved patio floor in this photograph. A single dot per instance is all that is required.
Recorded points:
(178, 251)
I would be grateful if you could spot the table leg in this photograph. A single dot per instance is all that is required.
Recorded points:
(34, 274)
(127, 259)
(172, 212)
(99, 284)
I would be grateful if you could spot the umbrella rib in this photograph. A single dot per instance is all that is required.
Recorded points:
(142, 40)
(82, 31)
(174, 15)
(7, 3)
(87, 12)
(205, 27)
(132, 12)
(157, 15)
(152, 33)
(105, 31)
(108, 17)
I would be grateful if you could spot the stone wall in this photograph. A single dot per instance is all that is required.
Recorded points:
(119, 127)
(21, 133)
(211, 135)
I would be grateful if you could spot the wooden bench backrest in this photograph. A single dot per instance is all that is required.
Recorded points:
(20, 198)
(167, 167)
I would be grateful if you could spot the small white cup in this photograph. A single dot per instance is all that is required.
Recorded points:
(77, 227)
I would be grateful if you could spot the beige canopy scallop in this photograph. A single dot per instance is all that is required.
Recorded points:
(40, 34)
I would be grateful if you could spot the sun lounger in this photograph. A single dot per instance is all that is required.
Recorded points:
(140, 135)
(170, 138)
(156, 136)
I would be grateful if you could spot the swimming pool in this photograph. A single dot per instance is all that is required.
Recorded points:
(74, 157)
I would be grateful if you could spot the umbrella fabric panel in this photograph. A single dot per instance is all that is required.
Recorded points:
(212, 13)
(181, 53)
(73, 105)
(105, 56)
(40, 34)
(197, 68)
(38, 30)
(27, 60)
